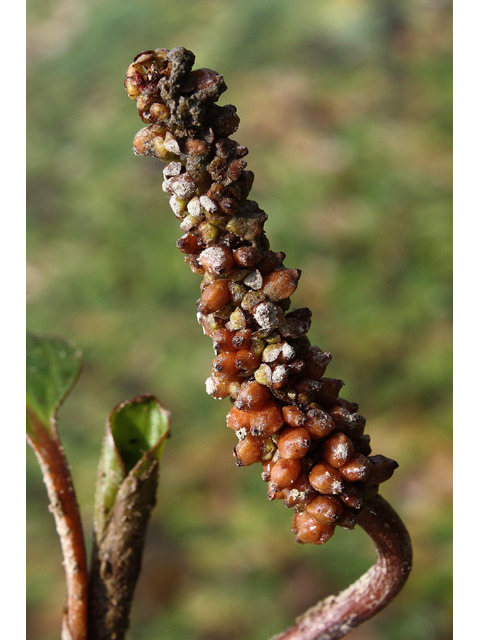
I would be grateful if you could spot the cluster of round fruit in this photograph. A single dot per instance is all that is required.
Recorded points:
(287, 415)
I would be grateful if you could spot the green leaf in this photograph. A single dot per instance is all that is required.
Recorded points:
(135, 436)
(53, 366)
(138, 426)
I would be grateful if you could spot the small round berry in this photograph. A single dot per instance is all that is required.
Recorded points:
(198, 148)
(234, 170)
(223, 365)
(223, 340)
(149, 141)
(252, 396)
(297, 323)
(351, 496)
(216, 260)
(269, 316)
(309, 531)
(299, 493)
(194, 264)
(242, 338)
(131, 86)
(267, 420)
(159, 112)
(293, 443)
(143, 102)
(293, 416)
(325, 509)
(245, 359)
(220, 388)
(347, 519)
(214, 297)
(316, 362)
(246, 256)
(248, 451)
(352, 424)
(279, 285)
(182, 186)
(189, 243)
(202, 79)
(337, 449)
(326, 479)
(318, 423)
(237, 419)
(284, 473)
(224, 120)
(357, 468)
(279, 376)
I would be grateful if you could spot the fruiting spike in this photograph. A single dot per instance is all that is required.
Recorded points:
(287, 415)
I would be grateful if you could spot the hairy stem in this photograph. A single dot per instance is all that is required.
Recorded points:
(64, 507)
(335, 616)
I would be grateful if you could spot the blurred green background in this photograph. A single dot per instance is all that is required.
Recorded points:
(345, 106)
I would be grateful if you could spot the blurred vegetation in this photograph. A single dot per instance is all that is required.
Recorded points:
(345, 106)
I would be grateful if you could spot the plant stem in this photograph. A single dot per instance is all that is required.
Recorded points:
(335, 616)
(117, 554)
(64, 507)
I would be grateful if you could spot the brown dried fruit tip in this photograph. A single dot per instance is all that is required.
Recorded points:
(286, 414)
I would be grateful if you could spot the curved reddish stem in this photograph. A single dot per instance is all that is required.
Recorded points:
(64, 507)
(336, 616)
